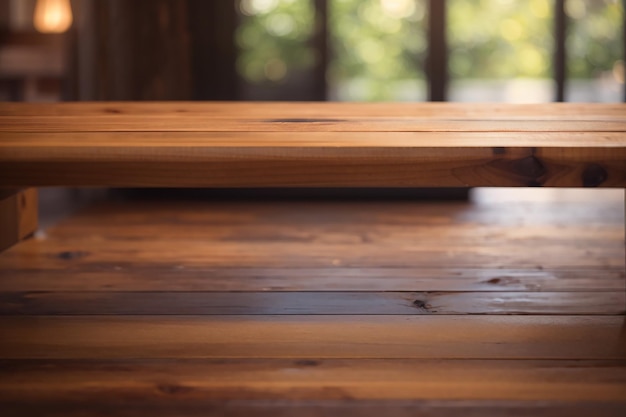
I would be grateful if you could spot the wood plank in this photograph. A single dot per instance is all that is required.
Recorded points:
(204, 148)
(411, 336)
(208, 166)
(204, 123)
(59, 254)
(316, 110)
(68, 257)
(191, 380)
(178, 277)
(191, 230)
(21, 142)
(311, 303)
(594, 236)
(136, 407)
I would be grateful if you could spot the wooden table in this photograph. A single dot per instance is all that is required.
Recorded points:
(312, 144)
(248, 144)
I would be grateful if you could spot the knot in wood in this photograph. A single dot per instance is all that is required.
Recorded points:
(531, 169)
(594, 175)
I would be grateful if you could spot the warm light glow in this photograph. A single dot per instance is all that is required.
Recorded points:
(53, 16)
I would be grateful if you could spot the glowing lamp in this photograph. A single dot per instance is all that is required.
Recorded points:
(53, 16)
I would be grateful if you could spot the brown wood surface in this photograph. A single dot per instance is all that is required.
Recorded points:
(18, 216)
(169, 403)
(9, 221)
(311, 303)
(306, 336)
(312, 144)
(376, 379)
(510, 304)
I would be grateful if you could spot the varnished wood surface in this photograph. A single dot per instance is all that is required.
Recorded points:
(312, 144)
(317, 110)
(321, 308)
(311, 303)
(335, 336)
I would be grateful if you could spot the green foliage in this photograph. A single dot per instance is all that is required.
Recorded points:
(500, 38)
(379, 46)
(594, 42)
(272, 38)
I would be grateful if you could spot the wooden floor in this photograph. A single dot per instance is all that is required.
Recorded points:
(511, 304)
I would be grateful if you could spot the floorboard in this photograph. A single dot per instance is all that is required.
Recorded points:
(510, 304)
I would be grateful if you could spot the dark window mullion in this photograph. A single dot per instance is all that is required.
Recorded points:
(560, 51)
(437, 61)
(320, 44)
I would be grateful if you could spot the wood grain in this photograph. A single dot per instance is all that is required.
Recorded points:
(93, 252)
(305, 336)
(201, 123)
(189, 380)
(491, 245)
(311, 303)
(129, 276)
(280, 145)
(317, 110)
(309, 308)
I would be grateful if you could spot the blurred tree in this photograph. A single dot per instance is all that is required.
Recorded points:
(500, 38)
(595, 38)
(273, 39)
(378, 47)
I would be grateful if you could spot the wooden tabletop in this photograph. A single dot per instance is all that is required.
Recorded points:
(249, 144)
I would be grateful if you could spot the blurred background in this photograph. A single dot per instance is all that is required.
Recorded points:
(399, 50)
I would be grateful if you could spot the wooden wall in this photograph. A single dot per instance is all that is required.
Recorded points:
(154, 50)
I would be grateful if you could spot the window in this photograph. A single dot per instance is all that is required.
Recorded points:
(500, 50)
(594, 49)
(493, 50)
(378, 49)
